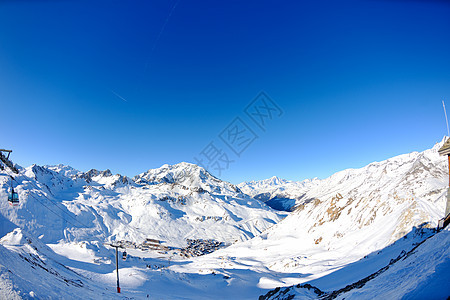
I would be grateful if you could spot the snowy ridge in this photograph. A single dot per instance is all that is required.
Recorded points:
(401, 168)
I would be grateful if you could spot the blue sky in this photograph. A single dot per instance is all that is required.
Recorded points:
(132, 85)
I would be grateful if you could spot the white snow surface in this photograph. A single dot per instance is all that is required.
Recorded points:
(341, 230)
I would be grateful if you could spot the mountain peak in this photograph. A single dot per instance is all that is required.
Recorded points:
(277, 180)
(89, 175)
(185, 174)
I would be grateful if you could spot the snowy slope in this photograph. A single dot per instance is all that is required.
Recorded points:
(421, 273)
(30, 269)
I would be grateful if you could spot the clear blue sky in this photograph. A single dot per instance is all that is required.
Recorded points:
(132, 85)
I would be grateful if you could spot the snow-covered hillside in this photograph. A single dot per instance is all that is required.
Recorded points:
(342, 230)
(420, 273)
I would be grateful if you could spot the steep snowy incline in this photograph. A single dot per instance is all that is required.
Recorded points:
(421, 273)
(172, 204)
(30, 269)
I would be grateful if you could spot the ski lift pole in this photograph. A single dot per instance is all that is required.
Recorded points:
(117, 269)
(117, 264)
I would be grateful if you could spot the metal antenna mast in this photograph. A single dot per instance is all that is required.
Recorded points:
(446, 119)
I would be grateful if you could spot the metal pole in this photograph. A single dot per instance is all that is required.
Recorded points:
(448, 170)
(117, 268)
(446, 119)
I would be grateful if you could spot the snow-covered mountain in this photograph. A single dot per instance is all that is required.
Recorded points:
(349, 235)
(340, 220)
(278, 193)
(171, 203)
(188, 175)
(411, 173)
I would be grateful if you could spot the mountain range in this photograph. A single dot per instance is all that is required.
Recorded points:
(273, 238)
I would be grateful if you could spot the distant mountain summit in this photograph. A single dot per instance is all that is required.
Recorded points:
(186, 174)
(278, 193)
